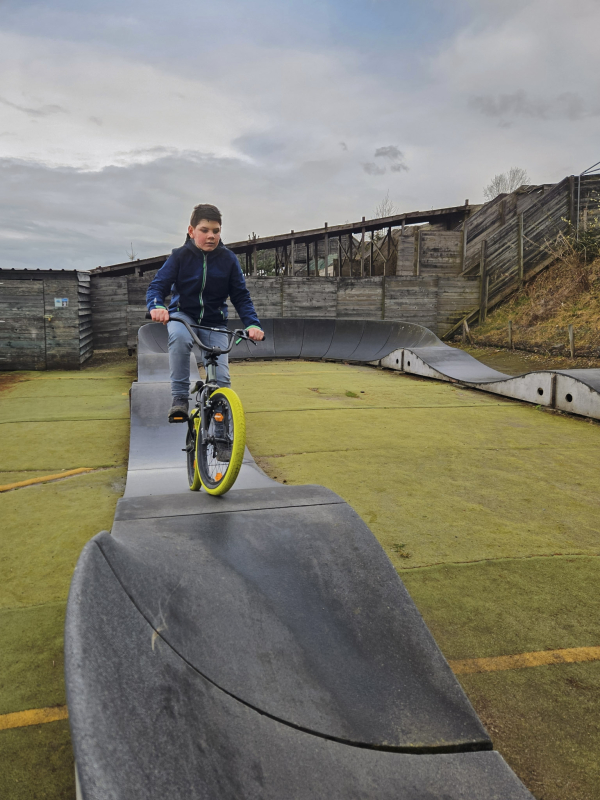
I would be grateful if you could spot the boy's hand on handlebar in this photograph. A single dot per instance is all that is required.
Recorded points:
(160, 315)
(256, 334)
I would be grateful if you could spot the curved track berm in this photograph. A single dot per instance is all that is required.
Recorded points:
(256, 645)
(411, 348)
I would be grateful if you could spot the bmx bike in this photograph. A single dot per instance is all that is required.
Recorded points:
(216, 435)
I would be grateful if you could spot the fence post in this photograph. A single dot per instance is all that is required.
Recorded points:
(571, 341)
(483, 277)
(362, 251)
(510, 336)
(572, 201)
(417, 251)
(350, 252)
(292, 256)
(520, 247)
(466, 333)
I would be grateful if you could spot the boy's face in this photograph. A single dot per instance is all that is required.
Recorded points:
(206, 234)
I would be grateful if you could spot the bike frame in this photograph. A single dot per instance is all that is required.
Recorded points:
(212, 354)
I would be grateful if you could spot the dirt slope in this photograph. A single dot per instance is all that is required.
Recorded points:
(568, 293)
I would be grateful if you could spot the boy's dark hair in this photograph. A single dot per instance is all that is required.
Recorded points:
(205, 211)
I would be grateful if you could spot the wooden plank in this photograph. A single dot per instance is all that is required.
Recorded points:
(412, 299)
(314, 297)
(359, 298)
(109, 296)
(439, 252)
(266, 295)
(406, 254)
(22, 329)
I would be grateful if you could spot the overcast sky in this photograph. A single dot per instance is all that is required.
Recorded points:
(116, 119)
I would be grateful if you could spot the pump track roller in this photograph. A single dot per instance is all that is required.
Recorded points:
(260, 644)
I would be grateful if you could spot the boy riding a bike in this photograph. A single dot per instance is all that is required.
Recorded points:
(200, 276)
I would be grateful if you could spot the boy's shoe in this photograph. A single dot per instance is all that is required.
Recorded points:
(179, 410)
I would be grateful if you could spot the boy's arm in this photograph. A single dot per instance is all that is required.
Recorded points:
(240, 297)
(159, 288)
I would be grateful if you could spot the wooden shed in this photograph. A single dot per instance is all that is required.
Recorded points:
(45, 319)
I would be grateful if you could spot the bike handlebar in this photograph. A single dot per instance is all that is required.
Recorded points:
(238, 333)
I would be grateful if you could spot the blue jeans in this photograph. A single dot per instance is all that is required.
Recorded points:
(180, 347)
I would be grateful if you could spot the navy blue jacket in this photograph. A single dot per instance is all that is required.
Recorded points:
(200, 283)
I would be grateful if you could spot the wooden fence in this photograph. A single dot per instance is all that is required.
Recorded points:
(45, 319)
(513, 238)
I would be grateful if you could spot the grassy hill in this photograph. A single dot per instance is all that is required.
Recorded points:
(567, 293)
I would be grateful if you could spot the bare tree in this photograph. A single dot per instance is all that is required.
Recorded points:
(506, 182)
(386, 208)
(131, 255)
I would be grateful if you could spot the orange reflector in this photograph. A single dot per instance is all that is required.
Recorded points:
(218, 476)
(219, 417)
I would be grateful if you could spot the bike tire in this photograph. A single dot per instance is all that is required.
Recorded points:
(192, 462)
(218, 477)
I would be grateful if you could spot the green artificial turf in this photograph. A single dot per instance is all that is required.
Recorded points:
(37, 763)
(50, 422)
(31, 657)
(54, 446)
(543, 719)
(6, 478)
(45, 528)
(70, 407)
(497, 608)
(546, 723)
(451, 475)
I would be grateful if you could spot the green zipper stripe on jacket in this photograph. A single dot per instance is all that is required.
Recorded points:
(201, 290)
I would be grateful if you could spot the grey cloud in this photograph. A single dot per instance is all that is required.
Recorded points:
(373, 169)
(395, 155)
(42, 111)
(391, 152)
(96, 121)
(67, 218)
(568, 105)
(261, 146)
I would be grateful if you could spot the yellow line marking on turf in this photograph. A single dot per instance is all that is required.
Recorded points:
(35, 716)
(66, 474)
(570, 655)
